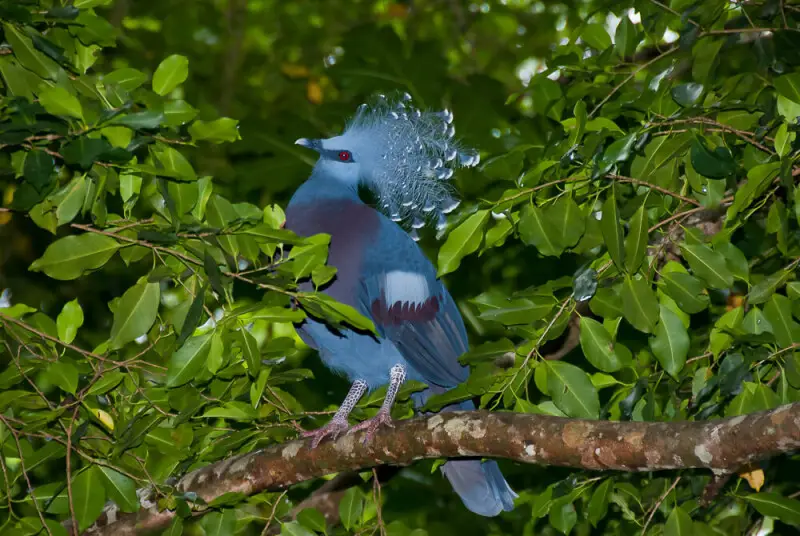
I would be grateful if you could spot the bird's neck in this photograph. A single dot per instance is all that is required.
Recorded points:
(318, 187)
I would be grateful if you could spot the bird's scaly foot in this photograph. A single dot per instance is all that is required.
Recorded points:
(383, 418)
(334, 429)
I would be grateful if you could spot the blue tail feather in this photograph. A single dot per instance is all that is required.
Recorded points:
(481, 485)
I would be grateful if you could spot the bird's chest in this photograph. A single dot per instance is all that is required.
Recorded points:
(353, 228)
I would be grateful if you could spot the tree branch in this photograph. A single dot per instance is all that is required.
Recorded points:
(720, 445)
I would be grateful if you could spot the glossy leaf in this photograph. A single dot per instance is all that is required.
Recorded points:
(612, 231)
(671, 342)
(572, 390)
(89, 497)
(639, 304)
(462, 241)
(135, 312)
(708, 264)
(636, 241)
(597, 346)
(170, 73)
(71, 256)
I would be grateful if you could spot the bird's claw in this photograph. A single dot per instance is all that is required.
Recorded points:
(383, 418)
(334, 429)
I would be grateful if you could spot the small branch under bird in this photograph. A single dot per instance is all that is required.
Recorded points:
(406, 157)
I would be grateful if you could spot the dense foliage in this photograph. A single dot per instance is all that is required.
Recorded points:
(626, 250)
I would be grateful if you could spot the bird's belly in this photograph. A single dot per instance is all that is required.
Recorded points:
(356, 356)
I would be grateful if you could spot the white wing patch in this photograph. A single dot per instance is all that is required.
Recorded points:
(400, 286)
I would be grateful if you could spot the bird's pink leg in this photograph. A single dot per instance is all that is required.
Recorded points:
(384, 417)
(338, 425)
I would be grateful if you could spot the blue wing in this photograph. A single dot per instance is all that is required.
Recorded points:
(413, 309)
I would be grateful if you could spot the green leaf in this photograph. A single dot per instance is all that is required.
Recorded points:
(83, 152)
(563, 516)
(618, 151)
(135, 313)
(89, 497)
(708, 264)
(679, 523)
(178, 112)
(626, 38)
(716, 164)
(28, 56)
(784, 140)
(311, 518)
(217, 131)
(503, 167)
(219, 523)
(687, 291)
(735, 260)
(636, 241)
(140, 120)
(537, 230)
(327, 308)
(761, 291)
(606, 303)
(69, 320)
(788, 86)
(38, 171)
(497, 307)
(688, 94)
(85, 4)
(639, 304)
(596, 36)
(120, 489)
(462, 241)
(71, 256)
(127, 78)
(64, 375)
(568, 221)
(189, 360)
(572, 390)
(597, 346)
(193, 317)
(598, 504)
(58, 101)
(175, 164)
(612, 231)
(671, 342)
(170, 73)
(252, 354)
(293, 528)
(758, 179)
(107, 381)
(215, 359)
(351, 507)
(236, 411)
(778, 312)
(776, 505)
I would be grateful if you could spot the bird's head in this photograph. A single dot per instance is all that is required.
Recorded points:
(404, 155)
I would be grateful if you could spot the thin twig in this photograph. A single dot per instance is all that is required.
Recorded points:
(621, 178)
(658, 503)
(25, 472)
(69, 473)
(630, 77)
(376, 493)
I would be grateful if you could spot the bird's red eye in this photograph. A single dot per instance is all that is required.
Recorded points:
(345, 156)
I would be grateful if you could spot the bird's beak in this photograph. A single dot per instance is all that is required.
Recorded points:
(311, 144)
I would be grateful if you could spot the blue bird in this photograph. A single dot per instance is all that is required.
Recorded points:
(404, 156)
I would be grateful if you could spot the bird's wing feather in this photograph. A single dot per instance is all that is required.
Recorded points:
(414, 310)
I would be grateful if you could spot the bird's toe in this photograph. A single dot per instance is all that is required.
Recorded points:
(334, 429)
(383, 418)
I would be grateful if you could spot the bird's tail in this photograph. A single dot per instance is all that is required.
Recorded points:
(481, 485)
